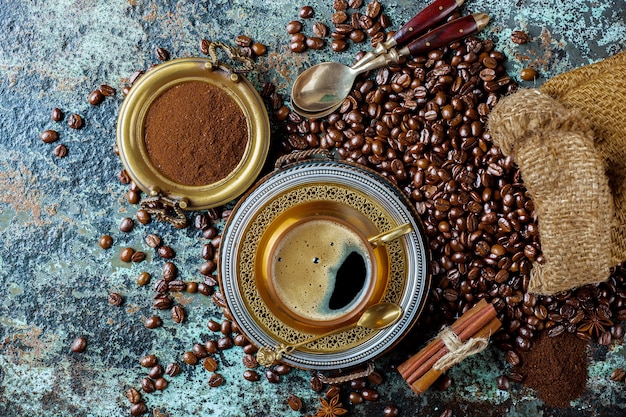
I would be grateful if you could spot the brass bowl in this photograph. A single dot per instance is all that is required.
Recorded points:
(131, 131)
(273, 307)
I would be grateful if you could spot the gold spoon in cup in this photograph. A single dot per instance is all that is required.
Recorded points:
(376, 317)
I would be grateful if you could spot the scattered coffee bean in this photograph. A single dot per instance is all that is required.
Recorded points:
(178, 314)
(57, 114)
(259, 49)
(316, 383)
(155, 371)
(162, 54)
(211, 346)
(210, 364)
(294, 27)
(307, 12)
(320, 30)
(294, 402)
(166, 252)
(75, 121)
(79, 345)
(148, 361)
(49, 136)
(250, 375)
(60, 151)
(519, 37)
(391, 411)
(160, 383)
(447, 413)
(138, 256)
(370, 394)
(355, 398)
(153, 241)
(162, 302)
(503, 383)
(224, 343)
(249, 361)
(107, 90)
(138, 409)
(143, 216)
(133, 395)
(172, 369)
(215, 380)
(272, 376)
(127, 225)
(147, 385)
(153, 322)
(105, 242)
(205, 289)
(192, 287)
(115, 299)
(618, 375)
(143, 278)
(528, 74)
(190, 358)
(333, 391)
(169, 271)
(176, 285)
(96, 97)
(205, 44)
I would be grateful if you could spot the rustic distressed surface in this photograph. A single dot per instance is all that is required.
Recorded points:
(55, 279)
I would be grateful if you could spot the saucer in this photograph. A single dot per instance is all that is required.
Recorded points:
(339, 202)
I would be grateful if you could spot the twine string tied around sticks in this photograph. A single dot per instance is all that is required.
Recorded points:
(457, 349)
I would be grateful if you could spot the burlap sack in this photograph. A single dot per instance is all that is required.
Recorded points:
(568, 139)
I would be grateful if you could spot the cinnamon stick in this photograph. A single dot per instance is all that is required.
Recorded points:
(468, 324)
(430, 376)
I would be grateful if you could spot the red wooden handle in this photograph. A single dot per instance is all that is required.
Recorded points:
(426, 19)
(448, 33)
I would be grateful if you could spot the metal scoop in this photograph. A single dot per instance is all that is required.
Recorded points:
(321, 89)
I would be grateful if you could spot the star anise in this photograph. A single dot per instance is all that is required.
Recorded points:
(330, 408)
(597, 322)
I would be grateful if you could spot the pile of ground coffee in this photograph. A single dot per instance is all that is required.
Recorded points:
(195, 133)
(556, 367)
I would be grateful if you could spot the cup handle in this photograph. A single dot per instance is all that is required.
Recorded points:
(390, 235)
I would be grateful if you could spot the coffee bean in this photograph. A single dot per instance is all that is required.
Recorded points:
(211, 346)
(107, 90)
(115, 299)
(178, 314)
(176, 285)
(205, 289)
(204, 46)
(190, 358)
(75, 121)
(447, 413)
(250, 375)
(57, 114)
(127, 224)
(209, 364)
(138, 256)
(249, 361)
(60, 151)
(259, 49)
(215, 380)
(105, 242)
(160, 383)
(282, 369)
(503, 383)
(315, 43)
(208, 267)
(391, 411)
(294, 27)
(369, 394)
(148, 361)
(133, 395)
(355, 398)
(320, 30)
(306, 12)
(294, 402)
(297, 47)
(618, 375)
(161, 286)
(96, 97)
(79, 344)
(155, 371)
(191, 287)
(143, 278)
(162, 302)
(272, 376)
(224, 343)
(172, 369)
(519, 37)
(143, 216)
(338, 45)
(528, 74)
(138, 409)
(162, 54)
(153, 241)
(153, 322)
(169, 271)
(166, 252)
(147, 385)
(332, 392)
(200, 351)
(49, 136)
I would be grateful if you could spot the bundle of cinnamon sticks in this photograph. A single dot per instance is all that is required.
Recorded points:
(475, 327)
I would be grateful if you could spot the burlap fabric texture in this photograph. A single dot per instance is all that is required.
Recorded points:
(568, 139)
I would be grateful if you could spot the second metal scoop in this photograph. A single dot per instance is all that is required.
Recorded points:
(321, 89)
(376, 317)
